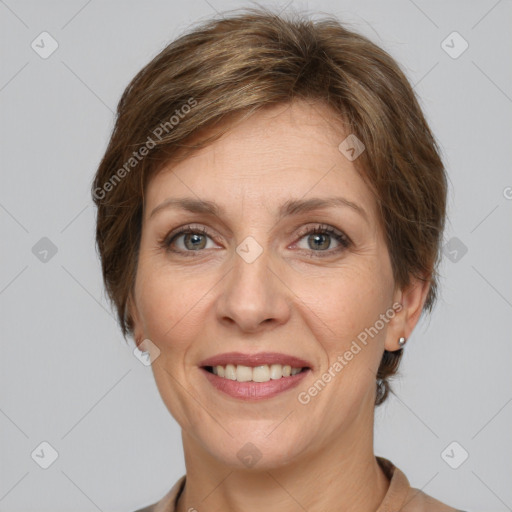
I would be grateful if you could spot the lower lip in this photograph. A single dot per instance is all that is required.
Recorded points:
(254, 390)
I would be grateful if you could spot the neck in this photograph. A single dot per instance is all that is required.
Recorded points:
(343, 475)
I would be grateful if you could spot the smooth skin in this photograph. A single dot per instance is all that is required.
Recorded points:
(306, 295)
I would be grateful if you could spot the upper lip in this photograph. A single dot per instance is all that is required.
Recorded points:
(258, 359)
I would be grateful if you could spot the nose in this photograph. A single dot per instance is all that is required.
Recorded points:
(253, 295)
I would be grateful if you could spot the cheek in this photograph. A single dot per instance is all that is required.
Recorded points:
(170, 305)
(171, 314)
(343, 306)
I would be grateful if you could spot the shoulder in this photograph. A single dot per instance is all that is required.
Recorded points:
(417, 501)
(401, 496)
(168, 502)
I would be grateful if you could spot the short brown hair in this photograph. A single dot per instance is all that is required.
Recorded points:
(234, 66)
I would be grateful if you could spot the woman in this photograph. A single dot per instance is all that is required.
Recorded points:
(270, 212)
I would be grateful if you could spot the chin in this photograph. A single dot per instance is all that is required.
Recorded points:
(257, 451)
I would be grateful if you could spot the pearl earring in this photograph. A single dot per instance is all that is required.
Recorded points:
(401, 341)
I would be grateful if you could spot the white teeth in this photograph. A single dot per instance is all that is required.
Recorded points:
(262, 373)
(230, 372)
(243, 373)
(276, 371)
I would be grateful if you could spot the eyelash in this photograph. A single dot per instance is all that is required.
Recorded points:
(339, 236)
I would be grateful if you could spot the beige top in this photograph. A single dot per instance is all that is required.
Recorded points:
(400, 496)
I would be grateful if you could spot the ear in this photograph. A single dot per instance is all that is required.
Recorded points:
(412, 298)
(131, 307)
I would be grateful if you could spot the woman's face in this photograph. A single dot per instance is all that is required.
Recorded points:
(254, 278)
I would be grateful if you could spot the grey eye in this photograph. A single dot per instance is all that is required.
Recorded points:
(194, 241)
(319, 241)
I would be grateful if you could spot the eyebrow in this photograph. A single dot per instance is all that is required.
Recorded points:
(290, 207)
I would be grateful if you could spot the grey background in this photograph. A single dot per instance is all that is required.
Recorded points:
(67, 376)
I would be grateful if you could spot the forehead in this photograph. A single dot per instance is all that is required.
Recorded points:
(279, 153)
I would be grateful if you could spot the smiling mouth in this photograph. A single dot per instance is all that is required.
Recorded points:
(263, 373)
